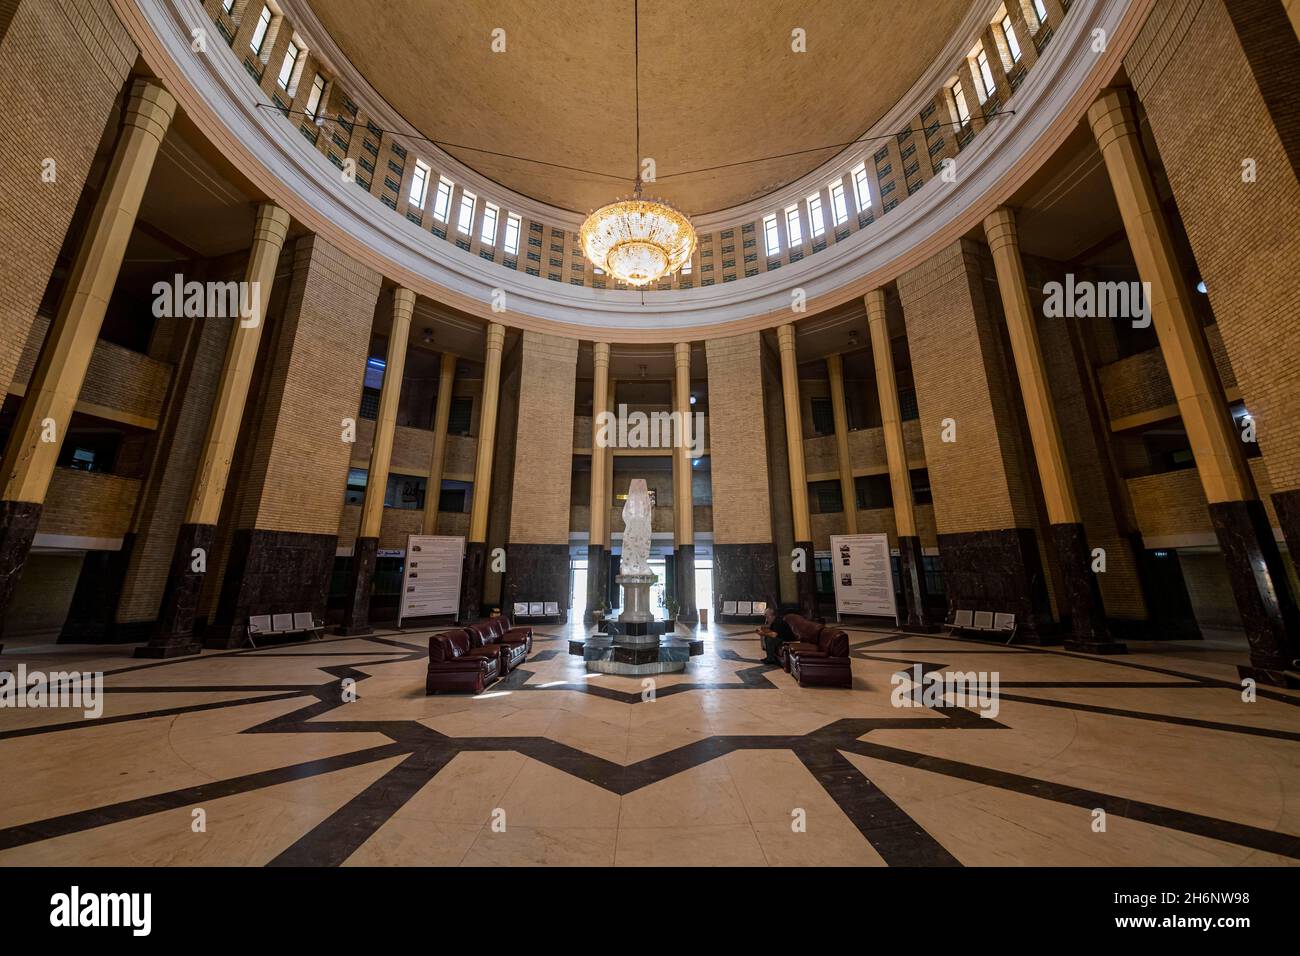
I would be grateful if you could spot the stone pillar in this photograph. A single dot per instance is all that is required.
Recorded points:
(601, 463)
(848, 489)
(910, 565)
(356, 613)
(1254, 563)
(683, 495)
(43, 417)
(441, 417)
(471, 586)
(174, 632)
(806, 583)
(1083, 594)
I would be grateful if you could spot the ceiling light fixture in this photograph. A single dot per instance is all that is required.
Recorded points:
(638, 240)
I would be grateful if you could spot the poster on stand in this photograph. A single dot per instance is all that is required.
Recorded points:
(863, 575)
(431, 582)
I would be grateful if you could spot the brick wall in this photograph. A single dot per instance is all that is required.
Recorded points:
(89, 504)
(52, 55)
(738, 460)
(1245, 235)
(1138, 385)
(539, 512)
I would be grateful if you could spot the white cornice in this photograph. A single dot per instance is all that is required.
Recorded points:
(219, 96)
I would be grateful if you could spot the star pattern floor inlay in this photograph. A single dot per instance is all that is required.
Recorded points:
(728, 763)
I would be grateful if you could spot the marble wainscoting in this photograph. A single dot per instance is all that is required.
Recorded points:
(744, 572)
(999, 571)
(271, 572)
(537, 572)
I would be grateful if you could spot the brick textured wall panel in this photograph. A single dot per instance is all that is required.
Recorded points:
(1245, 235)
(89, 505)
(873, 521)
(738, 459)
(299, 461)
(53, 55)
(539, 512)
(1139, 383)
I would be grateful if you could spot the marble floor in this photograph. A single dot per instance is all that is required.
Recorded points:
(330, 753)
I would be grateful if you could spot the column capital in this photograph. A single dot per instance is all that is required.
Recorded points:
(1112, 116)
(496, 336)
(271, 224)
(403, 301)
(682, 353)
(785, 337)
(149, 107)
(600, 354)
(875, 303)
(1000, 229)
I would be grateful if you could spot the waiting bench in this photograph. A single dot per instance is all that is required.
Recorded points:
(983, 622)
(278, 625)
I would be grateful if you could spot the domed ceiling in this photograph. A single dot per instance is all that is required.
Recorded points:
(719, 83)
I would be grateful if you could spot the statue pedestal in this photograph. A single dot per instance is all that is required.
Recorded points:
(636, 644)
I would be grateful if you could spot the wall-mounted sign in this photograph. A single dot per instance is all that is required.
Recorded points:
(863, 575)
(431, 583)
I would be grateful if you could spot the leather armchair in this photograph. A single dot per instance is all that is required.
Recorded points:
(511, 648)
(824, 663)
(806, 634)
(455, 664)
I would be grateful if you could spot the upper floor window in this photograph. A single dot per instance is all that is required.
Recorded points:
(986, 74)
(419, 184)
(488, 234)
(861, 187)
(314, 98)
(839, 205)
(1040, 9)
(959, 102)
(227, 5)
(1009, 34)
(771, 238)
(816, 219)
(511, 242)
(290, 63)
(442, 200)
(259, 31)
(793, 230)
(465, 218)
(686, 268)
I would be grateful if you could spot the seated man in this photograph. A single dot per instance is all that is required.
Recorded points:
(774, 631)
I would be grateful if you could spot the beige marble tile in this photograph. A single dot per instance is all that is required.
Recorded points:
(720, 845)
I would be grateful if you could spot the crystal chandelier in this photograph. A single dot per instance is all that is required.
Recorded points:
(638, 240)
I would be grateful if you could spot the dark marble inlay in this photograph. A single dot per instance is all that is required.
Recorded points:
(18, 521)
(174, 634)
(1287, 506)
(684, 573)
(361, 575)
(1259, 585)
(597, 582)
(537, 572)
(471, 581)
(271, 572)
(998, 571)
(1089, 631)
(743, 572)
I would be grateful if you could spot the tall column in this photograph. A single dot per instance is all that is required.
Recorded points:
(910, 565)
(1083, 594)
(597, 579)
(356, 613)
(174, 634)
(471, 588)
(1259, 582)
(807, 587)
(848, 490)
(43, 417)
(441, 418)
(683, 493)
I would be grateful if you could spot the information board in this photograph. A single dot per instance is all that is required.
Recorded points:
(863, 576)
(431, 582)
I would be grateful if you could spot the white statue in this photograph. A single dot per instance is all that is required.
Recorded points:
(636, 529)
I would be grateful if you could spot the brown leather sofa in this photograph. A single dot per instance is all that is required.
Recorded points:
(455, 656)
(455, 664)
(820, 656)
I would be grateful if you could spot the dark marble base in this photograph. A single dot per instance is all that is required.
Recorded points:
(743, 572)
(999, 571)
(92, 615)
(471, 582)
(914, 618)
(18, 521)
(1259, 584)
(597, 582)
(180, 602)
(805, 581)
(1287, 506)
(271, 572)
(361, 576)
(1272, 678)
(537, 572)
(1088, 629)
(684, 571)
(606, 654)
